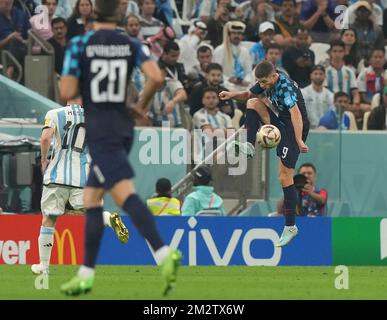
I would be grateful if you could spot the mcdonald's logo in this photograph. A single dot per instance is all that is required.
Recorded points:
(60, 244)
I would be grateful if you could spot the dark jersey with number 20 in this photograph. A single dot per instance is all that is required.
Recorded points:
(103, 61)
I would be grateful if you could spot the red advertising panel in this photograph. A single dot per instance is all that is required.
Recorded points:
(19, 239)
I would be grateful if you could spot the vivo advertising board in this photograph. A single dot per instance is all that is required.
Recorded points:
(224, 241)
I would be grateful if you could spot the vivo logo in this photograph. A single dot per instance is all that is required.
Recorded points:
(237, 236)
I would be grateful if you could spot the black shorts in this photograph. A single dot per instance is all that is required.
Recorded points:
(287, 150)
(109, 162)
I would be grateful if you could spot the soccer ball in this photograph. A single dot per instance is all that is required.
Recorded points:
(268, 136)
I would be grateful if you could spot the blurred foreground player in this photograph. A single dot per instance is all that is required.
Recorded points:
(65, 177)
(99, 65)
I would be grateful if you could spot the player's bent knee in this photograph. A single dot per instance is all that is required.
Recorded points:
(122, 191)
(254, 103)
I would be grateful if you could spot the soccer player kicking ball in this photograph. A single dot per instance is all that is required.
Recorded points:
(65, 177)
(275, 91)
(99, 66)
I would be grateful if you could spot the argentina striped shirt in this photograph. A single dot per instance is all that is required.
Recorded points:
(70, 161)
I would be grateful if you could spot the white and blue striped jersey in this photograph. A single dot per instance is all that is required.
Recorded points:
(340, 80)
(70, 160)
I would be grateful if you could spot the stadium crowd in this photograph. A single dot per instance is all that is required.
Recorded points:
(333, 49)
(327, 50)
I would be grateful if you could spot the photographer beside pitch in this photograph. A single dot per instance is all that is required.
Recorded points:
(275, 93)
(312, 200)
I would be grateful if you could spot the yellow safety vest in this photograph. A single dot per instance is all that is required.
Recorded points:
(164, 206)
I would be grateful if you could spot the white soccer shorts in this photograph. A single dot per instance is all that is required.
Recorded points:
(54, 199)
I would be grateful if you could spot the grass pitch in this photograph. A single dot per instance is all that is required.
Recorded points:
(212, 283)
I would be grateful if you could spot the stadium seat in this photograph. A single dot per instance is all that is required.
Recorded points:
(375, 100)
(365, 120)
(352, 121)
(320, 51)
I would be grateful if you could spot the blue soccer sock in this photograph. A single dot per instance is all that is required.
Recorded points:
(143, 220)
(93, 234)
(252, 124)
(290, 202)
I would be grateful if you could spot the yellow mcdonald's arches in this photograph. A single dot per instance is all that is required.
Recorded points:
(60, 240)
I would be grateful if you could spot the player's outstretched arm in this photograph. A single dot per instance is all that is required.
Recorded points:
(297, 125)
(154, 79)
(239, 95)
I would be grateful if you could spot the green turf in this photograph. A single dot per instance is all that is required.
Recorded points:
(144, 282)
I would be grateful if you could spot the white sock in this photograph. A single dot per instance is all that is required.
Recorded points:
(106, 218)
(86, 272)
(46, 242)
(162, 253)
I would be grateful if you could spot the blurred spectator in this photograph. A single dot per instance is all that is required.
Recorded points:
(317, 98)
(133, 26)
(376, 11)
(41, 23)
(208, 8)
(14, 26)
(371, 79)
(203, 200)
(164, 204)
(339, 77)
(234, 57)
(258, 50)
(30, 5)
(166, 101)
(123, 12)
(214, 76)
(255, 12)
(133, 8)
(209, 118)
(198, 72)
(377, 119)
(287, 24)
(319, 16)
(190, 42)
(352, 55)
(214, 124)
(274, 55)
(298, 60)
(76, 23)
(369, 35)
(339, 114)
(64, 8)
(149, 25)
(312, 200)
(157, 42)
(164, 12)
(59, 42)
(168, 61)
(216, 23)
